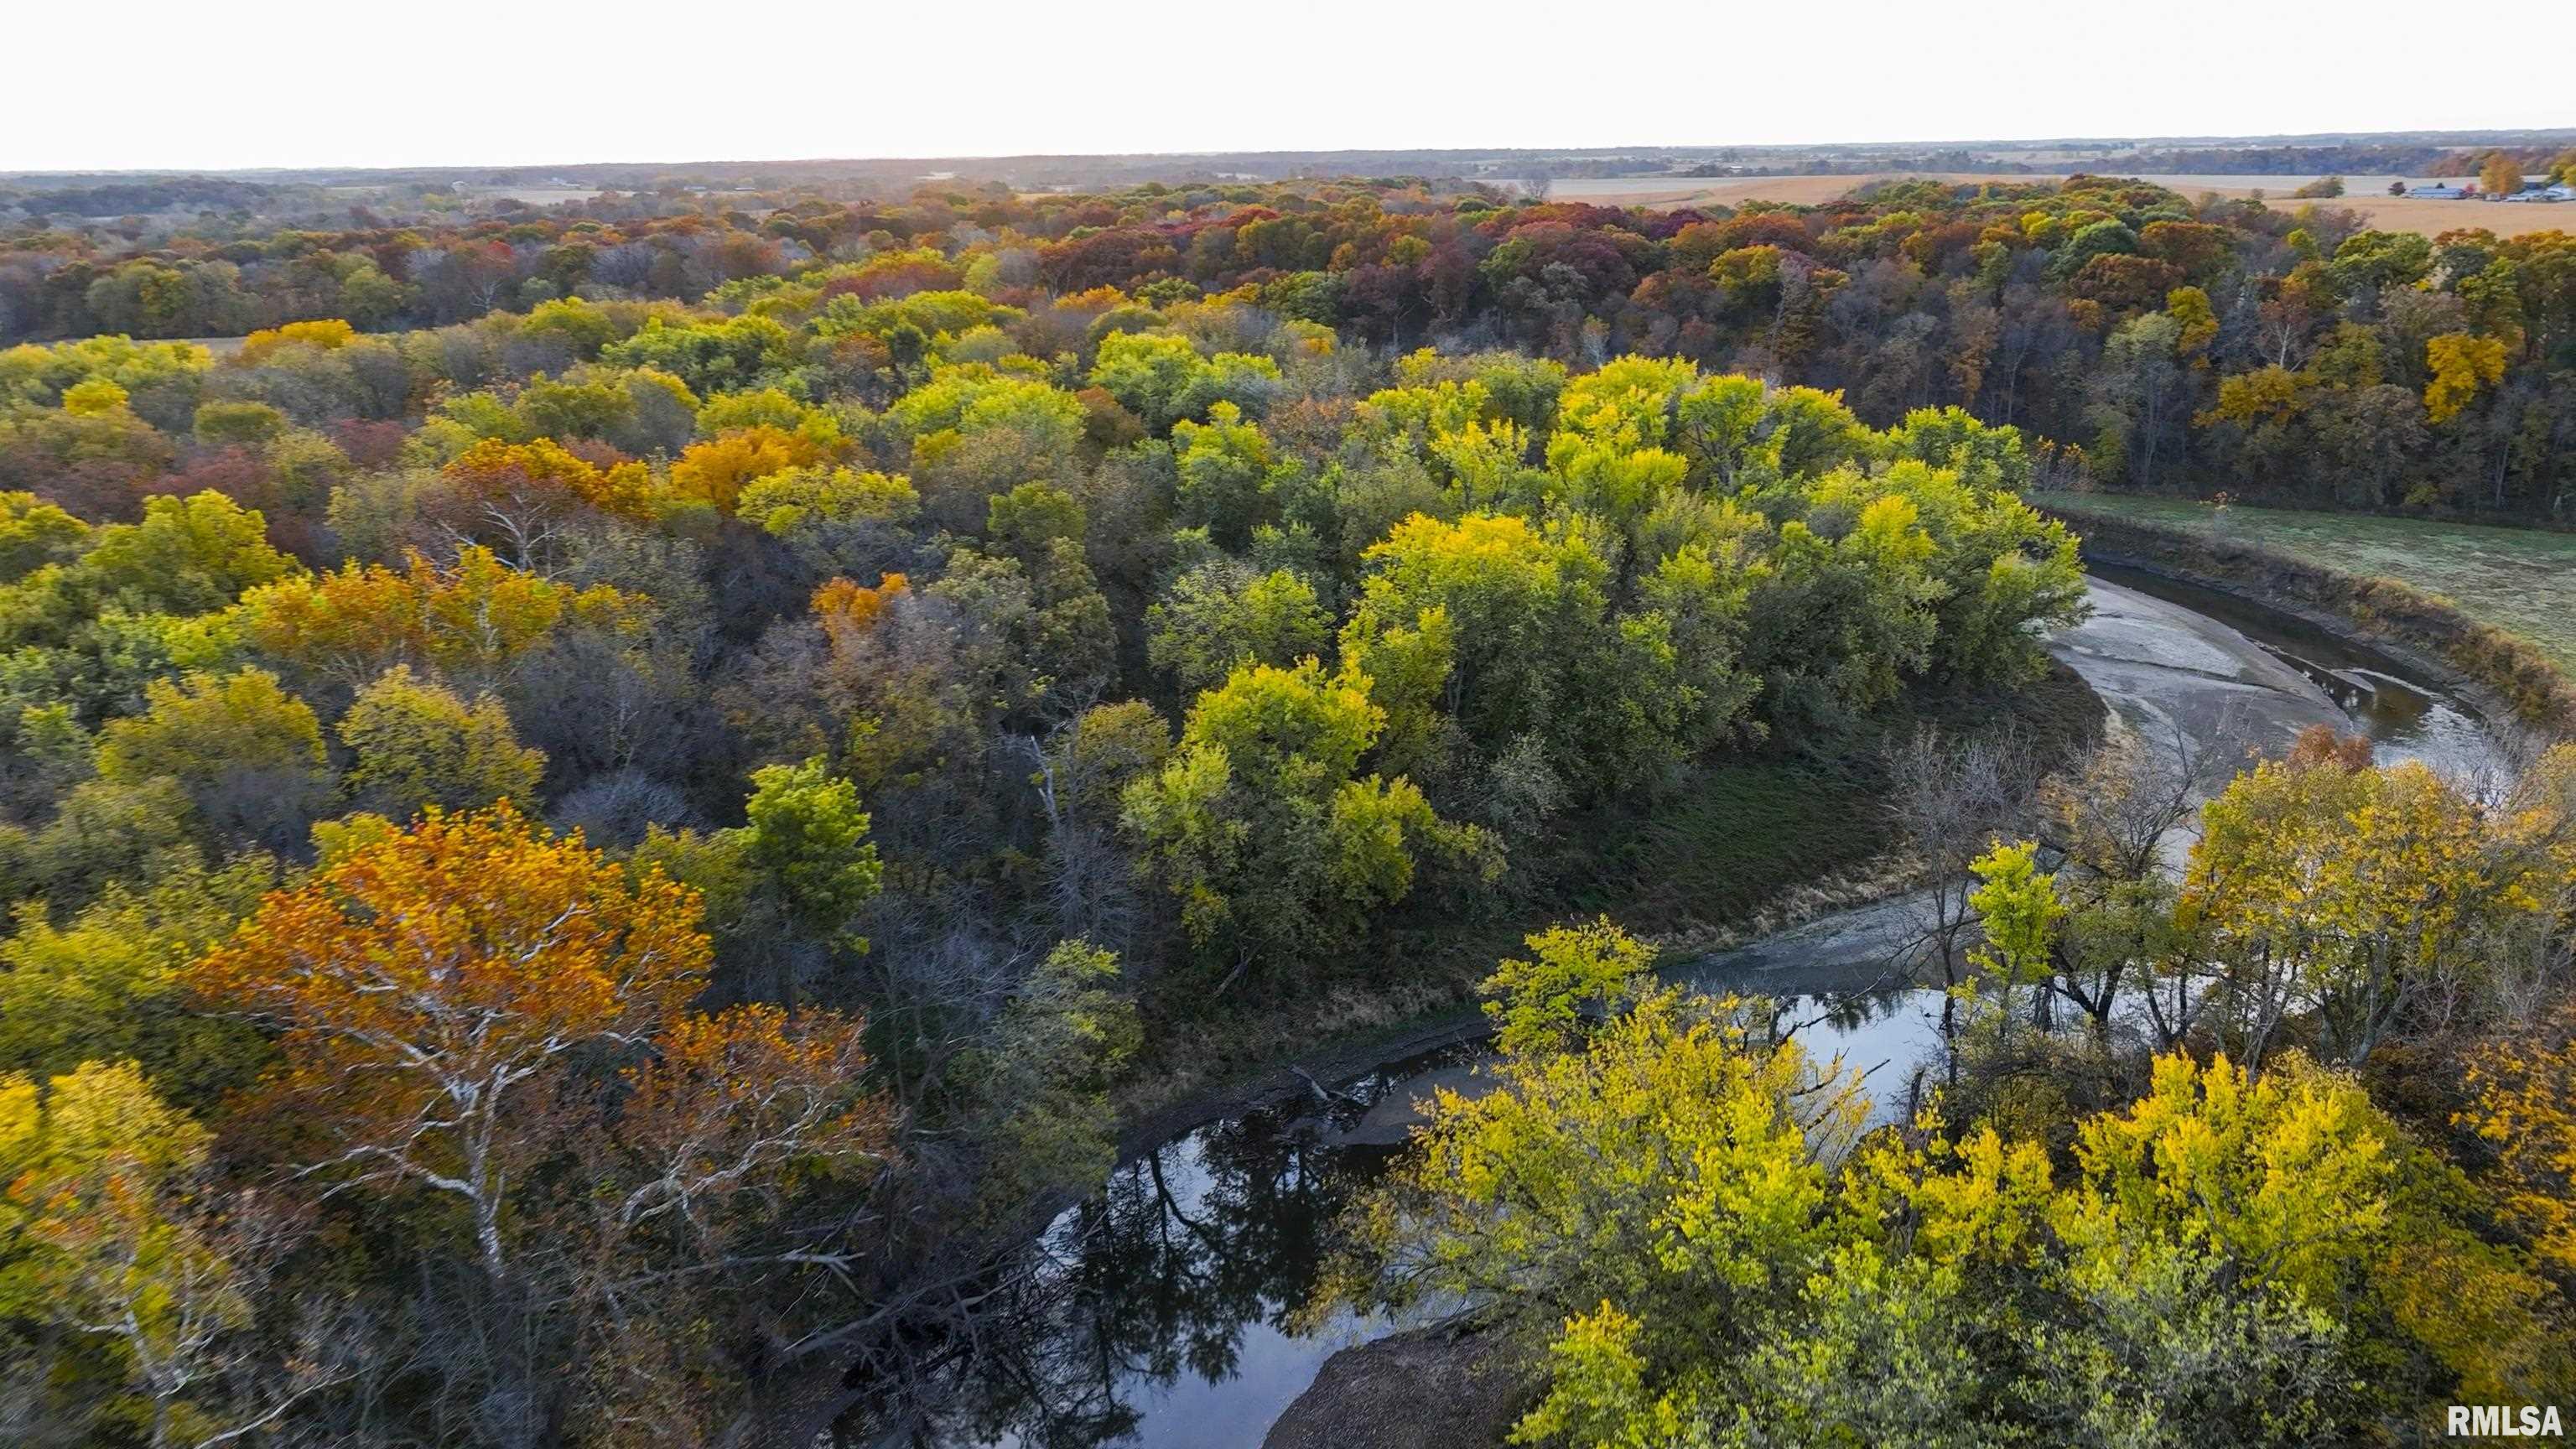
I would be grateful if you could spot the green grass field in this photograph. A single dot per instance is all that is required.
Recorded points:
(2521, 580)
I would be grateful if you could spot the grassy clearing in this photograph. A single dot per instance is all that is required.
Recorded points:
(2520, 580)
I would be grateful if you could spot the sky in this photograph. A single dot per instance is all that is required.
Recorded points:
(298, 83)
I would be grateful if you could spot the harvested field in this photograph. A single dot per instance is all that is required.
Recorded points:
(2388, 213)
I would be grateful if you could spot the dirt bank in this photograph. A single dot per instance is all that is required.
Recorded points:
(1430, 1389)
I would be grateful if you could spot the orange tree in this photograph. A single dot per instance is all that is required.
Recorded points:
(444, 997)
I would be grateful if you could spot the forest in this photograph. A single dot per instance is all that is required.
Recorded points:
(2157, 342)
(603, 813)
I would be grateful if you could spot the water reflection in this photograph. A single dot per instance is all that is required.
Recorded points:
(1886, 1035)
(1160, 1316)
(1160, 1313)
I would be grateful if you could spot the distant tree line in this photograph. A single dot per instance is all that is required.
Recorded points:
(2166, 344)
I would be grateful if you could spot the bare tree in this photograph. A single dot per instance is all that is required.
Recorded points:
(1952, 798)
(2117, 826)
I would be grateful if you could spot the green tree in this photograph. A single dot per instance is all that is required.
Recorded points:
(248, 754)
(1841, 611)
(104, 987)
(1222, 614)
(249, 424)
(1163, 379)
(1229, 482)
(1540, 663)
(417, 744)
(1263, 829)
(809, 838)
(1043, 1081)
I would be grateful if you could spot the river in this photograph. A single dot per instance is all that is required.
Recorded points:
(1172, 1321)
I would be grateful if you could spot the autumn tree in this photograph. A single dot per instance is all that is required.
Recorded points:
(417, 745)
(2225, 1254)
(2323, 884)
(248, 753)
(103, 985)
(717, 470)
(1222, 614)
(520, 499)
(471, 621)
(2523, 1085)
(1537, 660)
(2017, 906)
(2499, 174)
(426, 984)
(476, 1011)
(113, 1233)
(34, 533)
(2459, 364)
(1674, 1113)
(1262, 828)
(1572, 970)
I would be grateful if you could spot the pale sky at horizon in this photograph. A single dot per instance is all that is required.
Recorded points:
(305, 83)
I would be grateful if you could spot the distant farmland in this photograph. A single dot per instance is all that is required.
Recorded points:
(2365, 194)
(2518, 579)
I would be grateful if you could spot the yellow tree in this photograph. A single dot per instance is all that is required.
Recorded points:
(248, 753)
(2523, 1104)
(2189, 307)
(1263, 829)
(326, 335)
(1643, 1204)
(417, 744)
(2459, 362)
(2499, 174)
(716, 471)
(2325, 885)
(1539, 1002)
(2017, 905)
(2289, 1187)
(475, 618)
(521, 498)
(103, 1234)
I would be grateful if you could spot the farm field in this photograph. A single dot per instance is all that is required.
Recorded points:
(2432, 218)
(2522, 580)
(2365, 195)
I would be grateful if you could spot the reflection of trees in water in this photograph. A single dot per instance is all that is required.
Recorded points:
(1855, 1026)
(1157, 1277)
(1841, 1013)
